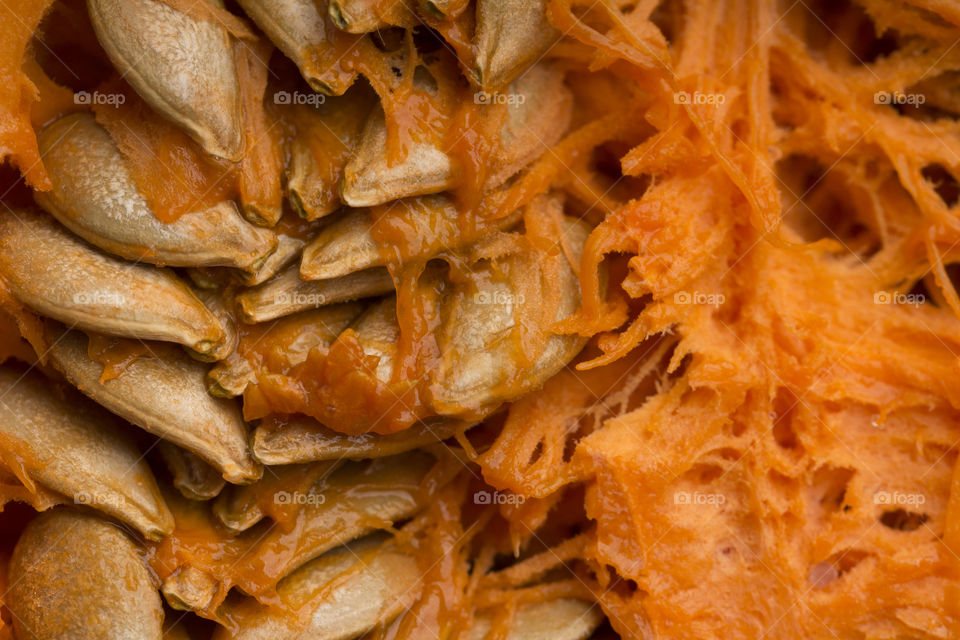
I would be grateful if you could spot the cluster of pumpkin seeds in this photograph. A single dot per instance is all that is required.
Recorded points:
(94, 260)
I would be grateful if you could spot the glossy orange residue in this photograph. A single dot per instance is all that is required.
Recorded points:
(337, 386)
(114, 354)
(170, 169)
(261, 170)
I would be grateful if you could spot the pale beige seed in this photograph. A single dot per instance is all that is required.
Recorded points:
(353, 500)
(342, 594)
(183, 67)
(510, 36)
(240, 508)
(164, 393)
(288, 250)
(370, 180)
(300, 29)
(327, 138)
(76, 576)
(348, 245)
(287, 293)
(295, 336)
(71, 445)
(481, 363)
(97, 292)
(378, 332)
(367, 16)
(357, 498)
(539, 109)
(343, 247)
(221, 305)
(194, 478)
(231, 377)
(189, 589)
(94, 195)
(304, 439)
(560, 619)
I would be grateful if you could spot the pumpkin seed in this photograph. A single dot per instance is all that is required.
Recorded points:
(287, 293)
(183, 67)
(342, 594)
(193, 478)
(75, 576)
(288, 250)
(348, 245)
(511, 35)
(62, 277)
(166, 395)
(94, 196)
(66, 443)
(291, 337)
(302, 30)
(367, 16)
(560, 619)
(481, 366)
(538, 108)
(303, 439)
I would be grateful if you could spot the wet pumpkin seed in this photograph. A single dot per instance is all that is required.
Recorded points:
(166, 395)
(289, 339)
(367, 16)
(73, 575)
(230, 377)
(560, 619)
(183, 67)
(348, 245)
(511, 35)
(357, 499)
(342, 594)
(240, 508)
(288, 250)
(40, 421)
(287, 293)
(481, 366)
(97, 292)
(369, 179)
(303, 439)
(327, 138)
(94, 195)
(537, 117)
(194, 478)
(189, 589)
(302, 30)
